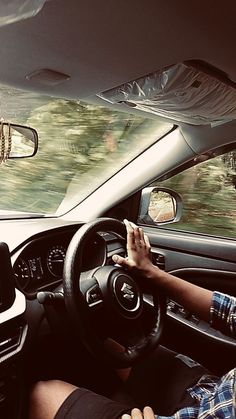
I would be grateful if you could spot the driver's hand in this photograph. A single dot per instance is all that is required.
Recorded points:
(137, 414)
(138, 250)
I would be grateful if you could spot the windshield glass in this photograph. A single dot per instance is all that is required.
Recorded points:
(80, 147)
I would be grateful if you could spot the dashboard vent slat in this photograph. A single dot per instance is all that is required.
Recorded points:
(10, 341)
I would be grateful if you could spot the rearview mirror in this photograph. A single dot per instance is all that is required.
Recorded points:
(159, 206)
(17, 141)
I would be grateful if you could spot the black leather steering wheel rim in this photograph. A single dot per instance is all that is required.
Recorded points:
(77, 306)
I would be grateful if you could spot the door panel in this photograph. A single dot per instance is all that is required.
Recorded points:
(208, 262)
(193, 244)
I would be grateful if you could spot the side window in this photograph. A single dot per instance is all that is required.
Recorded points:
(208, 192)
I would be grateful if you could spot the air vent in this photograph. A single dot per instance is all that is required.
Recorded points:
(10, 341)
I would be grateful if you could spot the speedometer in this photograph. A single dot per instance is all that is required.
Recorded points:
(55, 260)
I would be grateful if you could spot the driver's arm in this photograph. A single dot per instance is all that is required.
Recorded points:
(195, 299)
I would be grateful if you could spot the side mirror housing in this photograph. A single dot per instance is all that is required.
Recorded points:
(160, 206)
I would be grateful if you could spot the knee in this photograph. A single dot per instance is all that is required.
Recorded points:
(46, 398)
(41, 390)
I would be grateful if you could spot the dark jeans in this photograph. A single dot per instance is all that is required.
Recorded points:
(160, 381)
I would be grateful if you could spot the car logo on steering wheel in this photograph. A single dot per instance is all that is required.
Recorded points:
(127, 291)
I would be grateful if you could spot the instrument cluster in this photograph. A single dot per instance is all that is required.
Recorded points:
(41, 262)
(38, 265)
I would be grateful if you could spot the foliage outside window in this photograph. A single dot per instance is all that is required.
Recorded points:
(80, 147)
(208, 191)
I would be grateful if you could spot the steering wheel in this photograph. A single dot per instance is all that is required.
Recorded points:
(108, 302)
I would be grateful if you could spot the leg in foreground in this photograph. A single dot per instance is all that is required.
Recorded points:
(59, 400)
(46, 398)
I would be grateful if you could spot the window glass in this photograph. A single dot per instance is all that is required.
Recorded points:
(80, 147)
(208, 191)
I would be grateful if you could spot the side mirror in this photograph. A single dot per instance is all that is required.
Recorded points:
(17, 141)
(159, 206)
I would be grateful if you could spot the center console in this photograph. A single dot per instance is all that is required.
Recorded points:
(13, 332)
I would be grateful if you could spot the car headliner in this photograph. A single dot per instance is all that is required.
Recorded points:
(102, 44)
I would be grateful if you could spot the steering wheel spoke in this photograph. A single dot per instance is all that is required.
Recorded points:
(90, 289)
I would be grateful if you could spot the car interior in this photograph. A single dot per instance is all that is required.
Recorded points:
(157, 80)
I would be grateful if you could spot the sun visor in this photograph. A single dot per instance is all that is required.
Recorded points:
(180, 92)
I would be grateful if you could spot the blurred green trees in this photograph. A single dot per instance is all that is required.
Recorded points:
(208, 191)
(80, 146)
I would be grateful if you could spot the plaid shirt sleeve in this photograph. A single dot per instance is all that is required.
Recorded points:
(215, 398)
(223, 313)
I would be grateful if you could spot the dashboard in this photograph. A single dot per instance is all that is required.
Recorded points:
(38, 265)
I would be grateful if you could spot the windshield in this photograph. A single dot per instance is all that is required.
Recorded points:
(80, 147)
